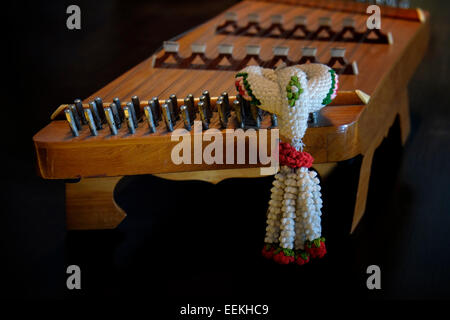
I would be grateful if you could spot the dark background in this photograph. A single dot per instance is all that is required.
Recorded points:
(188, 241)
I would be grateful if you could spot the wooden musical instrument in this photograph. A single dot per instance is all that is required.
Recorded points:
(374, 67)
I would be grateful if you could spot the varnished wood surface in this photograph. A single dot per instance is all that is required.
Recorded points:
(338, 138)
(387, 102)
(90, 204)
(216, 176)
(60, 155)
(342, 5)
(373, 60)
(405, 229)
(399, 102)
(120, 155)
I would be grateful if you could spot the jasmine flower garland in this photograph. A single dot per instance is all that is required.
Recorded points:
(293, 232)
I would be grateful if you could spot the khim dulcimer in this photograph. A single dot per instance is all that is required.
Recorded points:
(126, 128)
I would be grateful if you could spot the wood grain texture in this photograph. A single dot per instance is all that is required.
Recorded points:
(216, 176)
(389, 100)
(400, 102)
(343, 131)
(342, 5)
(90, 204)
(60, 155)
(341, 134)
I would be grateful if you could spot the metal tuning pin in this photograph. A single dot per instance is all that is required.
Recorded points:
(152, 108)
(208, 100)
(116, 115)
(71, 121)
(150, 120)
(204, 106)
(189, 103)
(100, 110)
(167, 116)
(222, 109)
(76, 117)
(119, 109)
(137, 108)
(238, 111)
(132, 114)
(241, 100)
(127, 110)
(313, 118)
(185, 115)
(245, 109)
(90, 121)
(274, 119)
(96, 117)
(156, 109)
(170, 106)
(226, 100)
(405, 4)
(256, 115)
(110, 119)
(80, 110)
(175, 110)
(251, 114)
(203, 114)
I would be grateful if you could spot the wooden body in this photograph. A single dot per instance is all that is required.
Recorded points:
(344, 130)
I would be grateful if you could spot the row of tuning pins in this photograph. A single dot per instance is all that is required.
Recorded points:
(96, 115)
(405, 4)
(246, 114)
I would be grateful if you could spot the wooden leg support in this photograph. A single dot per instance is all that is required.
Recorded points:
(363, 188)
(90, 204)
(403, 113)
(402, 106)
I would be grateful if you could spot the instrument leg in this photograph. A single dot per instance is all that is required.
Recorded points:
(403, 112)
(90, 204)
(363, 188)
